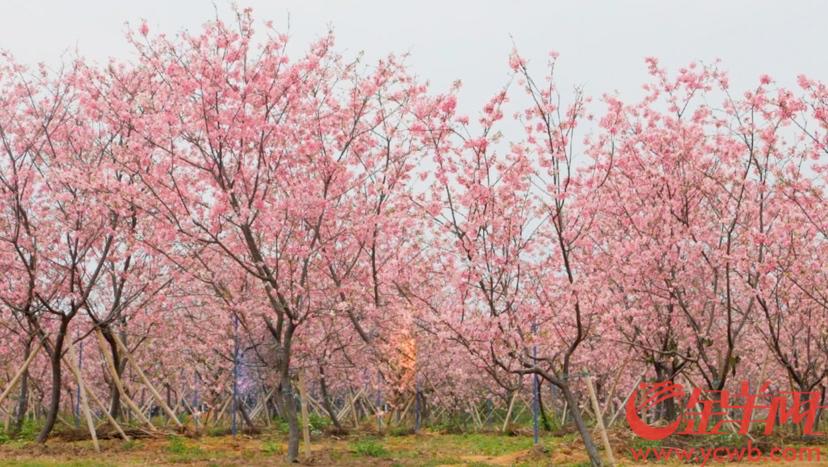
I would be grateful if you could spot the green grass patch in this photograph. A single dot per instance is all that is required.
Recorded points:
(272, 448)
(444, 461)
(368, 448)
(493, 445)
(28, 432)
(318, 423)
(183, 451)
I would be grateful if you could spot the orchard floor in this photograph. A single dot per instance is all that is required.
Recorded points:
(426, 449)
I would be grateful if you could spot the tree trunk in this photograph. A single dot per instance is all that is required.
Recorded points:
(670, 412)
(667, 409)
(246, 418)
(54, 401)
(287, 406)
(115, 408)
(22, 401)
(821, 407)
(115, 395)
(326, 400)
(285, 398)
(594, 458)
(544, 419)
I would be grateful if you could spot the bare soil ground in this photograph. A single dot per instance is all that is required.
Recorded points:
(425, 449)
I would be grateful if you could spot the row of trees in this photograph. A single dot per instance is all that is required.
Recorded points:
(215, 201)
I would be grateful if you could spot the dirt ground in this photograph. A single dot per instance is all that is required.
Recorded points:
(426, 449)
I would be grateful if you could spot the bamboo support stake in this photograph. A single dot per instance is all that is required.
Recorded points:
(475, 416)
(304, 408)
(614, 385)
(268, 416)
(76, 371)
(407, 407)
(7, 421)
(762, 374)
(83, 399)
(223, 408)
(509, 412)
(153, 391)
(145, 409)
(119, 385)
(66, 422)
(344, 411)
(354, 409)
(315, 406)
(623, 404)
(19, 373)
(611, 392)
(350, 406)
(192, 410)
(261, 405)
(520, 410)
(388, 417)
(600, 420)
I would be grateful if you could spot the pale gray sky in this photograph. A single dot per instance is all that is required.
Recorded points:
(602, 43)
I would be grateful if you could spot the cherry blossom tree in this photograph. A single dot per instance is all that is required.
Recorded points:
(283, 170)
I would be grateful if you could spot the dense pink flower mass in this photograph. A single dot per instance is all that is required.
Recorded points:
(217, 207)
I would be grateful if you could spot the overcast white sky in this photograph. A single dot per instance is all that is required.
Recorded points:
(602, 43)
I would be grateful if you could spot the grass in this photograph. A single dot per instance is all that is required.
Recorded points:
(318, 423)
(182, 450)
(272, 447)
(489, 445)
(428, 448)
(368, 448)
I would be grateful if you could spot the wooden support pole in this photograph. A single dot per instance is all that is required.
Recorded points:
(160, 400)
(195, 415)
(478, 424)
(762, 374)
(261, 405)
(119, 384)
(350, 406)
(600, 420)
(614, 385)
(84, 403)
(82, 383)
(354, 408)
(223, 408)
(7, 420)
(19, 373)
(509, 412)
(623, 404)
(406, 408)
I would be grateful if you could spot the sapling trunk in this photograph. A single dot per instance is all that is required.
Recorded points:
(115, 406)
(55, 360)
(23, 398)
(22, 402)
(287, 407)
(594, 458)
(544, 419)
(326, 400)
